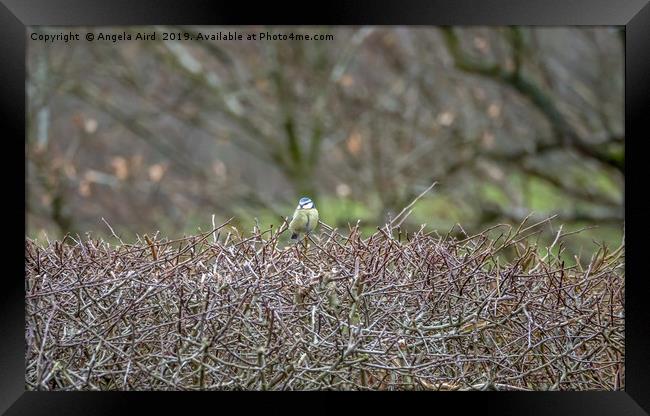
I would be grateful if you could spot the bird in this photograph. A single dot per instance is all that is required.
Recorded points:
(305, 218)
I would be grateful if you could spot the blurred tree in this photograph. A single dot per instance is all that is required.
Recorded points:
(162, 134)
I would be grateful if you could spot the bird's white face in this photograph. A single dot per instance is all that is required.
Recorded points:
(305, 203)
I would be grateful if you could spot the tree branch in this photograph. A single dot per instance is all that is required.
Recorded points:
(533, 92)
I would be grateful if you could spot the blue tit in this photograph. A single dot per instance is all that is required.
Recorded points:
(305, 218)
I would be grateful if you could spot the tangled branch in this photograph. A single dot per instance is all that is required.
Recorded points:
(391, 311)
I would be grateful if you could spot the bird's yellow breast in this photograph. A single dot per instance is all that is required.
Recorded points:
(304, 220)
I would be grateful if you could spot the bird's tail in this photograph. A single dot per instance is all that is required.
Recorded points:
(294, 236)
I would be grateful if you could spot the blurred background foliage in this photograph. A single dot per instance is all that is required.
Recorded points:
(160, 135)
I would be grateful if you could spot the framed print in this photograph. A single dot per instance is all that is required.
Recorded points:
(417, 197)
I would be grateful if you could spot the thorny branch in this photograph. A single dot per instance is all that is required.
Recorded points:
(219, 311)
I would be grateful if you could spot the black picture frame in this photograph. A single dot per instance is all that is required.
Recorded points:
(17, 15)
